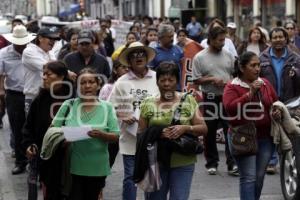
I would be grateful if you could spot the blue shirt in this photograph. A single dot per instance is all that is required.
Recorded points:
(194, 28)
(174, 54)
(278, 68)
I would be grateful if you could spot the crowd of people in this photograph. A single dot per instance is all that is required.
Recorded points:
(54, 79)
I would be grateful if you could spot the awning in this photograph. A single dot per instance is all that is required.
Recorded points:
(74, 8)
(63, 13)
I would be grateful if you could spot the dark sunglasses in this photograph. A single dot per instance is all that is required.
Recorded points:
(137, 54)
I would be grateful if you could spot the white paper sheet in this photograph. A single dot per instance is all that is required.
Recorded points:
(132, 128)
(76, 133)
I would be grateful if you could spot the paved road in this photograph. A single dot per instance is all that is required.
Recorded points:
(204, 187)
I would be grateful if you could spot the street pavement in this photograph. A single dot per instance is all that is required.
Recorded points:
(204, 187)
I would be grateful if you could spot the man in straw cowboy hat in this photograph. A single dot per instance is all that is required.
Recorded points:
(12, 69)
(4, 43)
(128, 92)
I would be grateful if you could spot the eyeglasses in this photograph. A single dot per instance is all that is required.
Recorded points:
(289, 28)
(137, 54)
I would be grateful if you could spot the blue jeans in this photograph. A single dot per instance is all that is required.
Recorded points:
(274, 158)
(177, 181)
(129, 188)
(252, 169)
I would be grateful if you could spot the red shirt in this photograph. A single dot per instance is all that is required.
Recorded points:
(239, 107)
(3, 42)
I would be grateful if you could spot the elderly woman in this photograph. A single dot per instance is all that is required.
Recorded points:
(89, 163)
(256, 42)
(159, 110)
(55, 90)
(244, 94)
(128, 92)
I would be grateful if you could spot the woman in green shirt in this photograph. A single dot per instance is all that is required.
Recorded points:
(177, 179)
(89, 163)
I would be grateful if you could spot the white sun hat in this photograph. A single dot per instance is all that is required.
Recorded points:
(19, 36)
(123, 58)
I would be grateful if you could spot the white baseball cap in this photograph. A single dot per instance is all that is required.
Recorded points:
(231, 25)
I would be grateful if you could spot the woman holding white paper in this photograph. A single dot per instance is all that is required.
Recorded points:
(89, 158)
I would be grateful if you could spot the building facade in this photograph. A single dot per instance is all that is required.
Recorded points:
(243, 12)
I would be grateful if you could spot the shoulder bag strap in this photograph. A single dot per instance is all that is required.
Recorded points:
(176, 116)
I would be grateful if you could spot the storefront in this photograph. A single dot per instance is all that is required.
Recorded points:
(270, 13)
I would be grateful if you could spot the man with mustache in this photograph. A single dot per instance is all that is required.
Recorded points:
(85, 56)
(281, 66)
(212, 69)
(34, 57)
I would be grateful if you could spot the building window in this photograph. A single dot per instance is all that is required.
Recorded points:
(273, 13)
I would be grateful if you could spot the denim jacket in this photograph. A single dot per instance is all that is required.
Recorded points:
(290, 86)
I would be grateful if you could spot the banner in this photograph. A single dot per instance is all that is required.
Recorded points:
(189, 51)
(121, 28)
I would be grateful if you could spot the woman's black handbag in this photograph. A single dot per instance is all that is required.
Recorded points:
(244, 142)
(187, 143)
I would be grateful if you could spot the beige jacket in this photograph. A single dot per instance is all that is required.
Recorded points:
(287, 126)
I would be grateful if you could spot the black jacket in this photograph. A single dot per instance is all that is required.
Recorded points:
(109, 44)
(40, 116)
(42, 110)
(290, 86)
(75, 62)
(65, 50)
(164, 149)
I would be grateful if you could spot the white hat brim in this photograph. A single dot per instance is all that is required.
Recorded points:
(124, 54)
(19, 41)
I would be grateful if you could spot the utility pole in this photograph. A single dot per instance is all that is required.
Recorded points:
(162, 8)
(58, 6)
(11, 3)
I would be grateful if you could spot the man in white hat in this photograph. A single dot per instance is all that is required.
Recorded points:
(128, 92)
(231, 33)
(12, 69)
(4, 43)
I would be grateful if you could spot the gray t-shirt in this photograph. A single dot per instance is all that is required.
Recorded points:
(219, 65)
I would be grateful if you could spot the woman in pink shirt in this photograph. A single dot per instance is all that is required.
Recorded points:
(117, 71)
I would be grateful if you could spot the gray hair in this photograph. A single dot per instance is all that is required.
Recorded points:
(165, 28)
